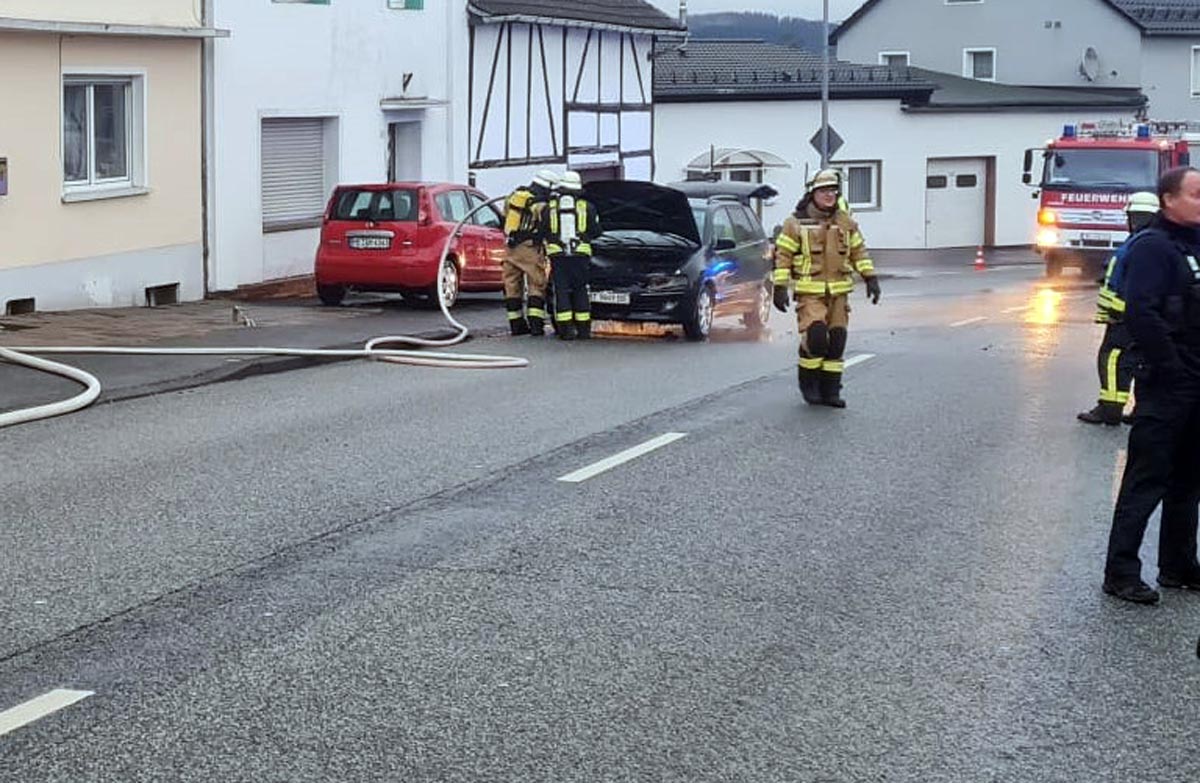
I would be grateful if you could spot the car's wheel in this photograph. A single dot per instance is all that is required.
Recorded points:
(761, 314)
(331, 295)
(699, 321)
(450, 285)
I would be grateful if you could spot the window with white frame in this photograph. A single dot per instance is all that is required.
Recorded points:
(1196, 71)
(894, 60)
(860, 183)
(103, 133)
(297, 171)
(407, 5)
(979, 64)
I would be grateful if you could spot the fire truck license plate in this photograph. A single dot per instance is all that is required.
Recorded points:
(610, 297)
(1086, 237)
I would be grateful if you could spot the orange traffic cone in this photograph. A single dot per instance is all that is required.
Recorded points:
(980, 263)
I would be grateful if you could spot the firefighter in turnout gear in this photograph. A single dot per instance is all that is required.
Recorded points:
(572, 224)
(817, 253)
(524, 267)
(1115, 360)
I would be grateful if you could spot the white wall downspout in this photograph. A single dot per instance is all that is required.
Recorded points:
(208, 179)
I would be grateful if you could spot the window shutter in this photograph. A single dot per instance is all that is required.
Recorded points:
(293, 170)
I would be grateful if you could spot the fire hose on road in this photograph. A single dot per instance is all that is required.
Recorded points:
(374, 349)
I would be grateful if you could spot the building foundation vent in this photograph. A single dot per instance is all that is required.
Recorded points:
(20, 306)
(160, 295)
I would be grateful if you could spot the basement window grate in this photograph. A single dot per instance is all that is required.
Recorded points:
(20, 306)
(160, 295)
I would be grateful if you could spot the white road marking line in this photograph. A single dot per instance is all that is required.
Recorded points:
(36, 709)
(859, 359)
(968, 321)
(596, 468)
(1017, 309)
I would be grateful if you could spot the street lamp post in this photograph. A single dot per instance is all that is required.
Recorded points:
(825, 88)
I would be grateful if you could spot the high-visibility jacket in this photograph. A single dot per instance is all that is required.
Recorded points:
(587, 227)
(818, 254)
(522, 216)
(1110, 304)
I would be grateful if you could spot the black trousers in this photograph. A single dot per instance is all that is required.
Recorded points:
(1115, 365)
(571, 300)
(1163, 466)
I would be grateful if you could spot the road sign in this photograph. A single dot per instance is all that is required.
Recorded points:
(835, 141)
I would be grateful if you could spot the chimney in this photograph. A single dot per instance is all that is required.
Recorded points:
(683, 13)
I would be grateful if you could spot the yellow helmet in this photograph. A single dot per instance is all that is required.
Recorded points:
(825, 178)
(1144, 202)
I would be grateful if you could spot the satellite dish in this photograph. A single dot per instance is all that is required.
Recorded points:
(1089, 66)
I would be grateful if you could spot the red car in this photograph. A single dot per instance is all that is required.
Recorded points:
(390, 238)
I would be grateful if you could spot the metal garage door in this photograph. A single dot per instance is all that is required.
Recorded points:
(955, 202)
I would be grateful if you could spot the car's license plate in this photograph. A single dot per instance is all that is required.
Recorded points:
(1086, 237)
(610, 297)
(370, 243)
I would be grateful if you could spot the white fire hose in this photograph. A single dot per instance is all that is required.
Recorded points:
(372, 350)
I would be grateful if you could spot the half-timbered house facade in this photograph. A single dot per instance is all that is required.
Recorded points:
(564, 84)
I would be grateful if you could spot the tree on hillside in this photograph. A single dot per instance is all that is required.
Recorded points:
(787, 30)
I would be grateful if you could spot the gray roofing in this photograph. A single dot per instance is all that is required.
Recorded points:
(957, 94)
(1153, 17)
(620, 14)
(1163, 17)
(728, 70)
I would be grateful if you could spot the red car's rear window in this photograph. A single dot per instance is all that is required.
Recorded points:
(355, 204)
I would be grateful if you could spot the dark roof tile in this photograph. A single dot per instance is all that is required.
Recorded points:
(743, 69)
(626, 14)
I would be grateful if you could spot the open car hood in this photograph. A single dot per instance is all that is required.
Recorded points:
(630, 205)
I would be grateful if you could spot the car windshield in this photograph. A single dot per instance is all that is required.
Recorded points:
(1077, 169)
(353, 204)
(701, 215)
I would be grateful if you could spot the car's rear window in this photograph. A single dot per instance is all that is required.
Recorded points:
(375, 205)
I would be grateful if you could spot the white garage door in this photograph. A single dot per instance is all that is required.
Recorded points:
(955, 202)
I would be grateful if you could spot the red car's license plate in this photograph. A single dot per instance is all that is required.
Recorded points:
(369, 243)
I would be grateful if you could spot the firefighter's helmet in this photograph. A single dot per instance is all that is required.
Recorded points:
(546, 178)
(825, 178)
(1144, 202)
(570, 181)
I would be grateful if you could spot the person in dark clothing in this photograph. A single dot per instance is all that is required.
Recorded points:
(1162, 295)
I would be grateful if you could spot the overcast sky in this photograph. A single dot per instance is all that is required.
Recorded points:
(810, 9)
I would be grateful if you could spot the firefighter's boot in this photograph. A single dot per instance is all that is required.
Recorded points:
(809, 386)
(831, 390)
(517, 324)
(537, 316)
(566, 330)
(1107, 413)
(583, 330)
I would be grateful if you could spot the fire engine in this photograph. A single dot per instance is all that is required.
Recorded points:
(1087, 176)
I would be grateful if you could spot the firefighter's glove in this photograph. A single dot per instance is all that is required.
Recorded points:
(873, 292)
(781, 298)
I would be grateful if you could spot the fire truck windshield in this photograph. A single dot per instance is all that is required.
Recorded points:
(1106, 169)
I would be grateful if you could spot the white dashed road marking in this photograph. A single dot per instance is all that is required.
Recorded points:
(604, 465)
(36, 709)
(968, 321)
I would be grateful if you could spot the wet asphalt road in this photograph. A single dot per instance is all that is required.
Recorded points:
(372, 573)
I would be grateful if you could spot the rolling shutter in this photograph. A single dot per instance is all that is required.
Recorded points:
(293, 170)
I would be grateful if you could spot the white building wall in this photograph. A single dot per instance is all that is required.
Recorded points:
(336, 61)
(1168, 74)
(874, 130)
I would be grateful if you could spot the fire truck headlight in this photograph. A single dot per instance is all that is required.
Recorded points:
(1047, 237)
(1047, 217)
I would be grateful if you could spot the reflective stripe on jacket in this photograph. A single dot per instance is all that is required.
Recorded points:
(819, 254)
